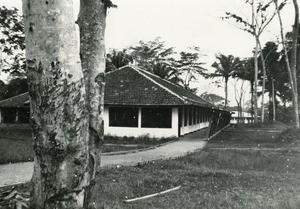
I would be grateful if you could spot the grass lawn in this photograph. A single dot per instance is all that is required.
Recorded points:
(231, 172)
(16, 143)
(214, 177)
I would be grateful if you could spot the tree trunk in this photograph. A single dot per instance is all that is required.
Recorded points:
(255, 80)
(252, 102)
(291, 68)
(62, 164)
(1, 62)
(92, 22)
(294, 62)
(273, 101)
(226, 92)
(263, 83)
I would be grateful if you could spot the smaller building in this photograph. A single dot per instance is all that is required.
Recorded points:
(15, 109)
(244, 118)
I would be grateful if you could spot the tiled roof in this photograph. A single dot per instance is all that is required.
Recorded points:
(132, 86)
(21, 100)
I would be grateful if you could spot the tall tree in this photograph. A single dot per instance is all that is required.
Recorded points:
(154, 57)
(92, 24)
(273, 74)
(63, 118)
(291, 65)
(190, 66)
(225, 67)
(147, 54)
(261, 15)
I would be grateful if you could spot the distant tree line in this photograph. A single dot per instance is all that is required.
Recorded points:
(160, 60)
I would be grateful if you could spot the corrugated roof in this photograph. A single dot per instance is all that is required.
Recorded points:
(133, 86)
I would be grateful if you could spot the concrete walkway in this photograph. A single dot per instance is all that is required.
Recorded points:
(16, 173)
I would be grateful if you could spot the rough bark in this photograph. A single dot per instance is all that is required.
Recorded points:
(92, 23)
(62, 164)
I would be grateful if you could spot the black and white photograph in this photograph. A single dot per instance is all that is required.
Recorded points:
(138, 104)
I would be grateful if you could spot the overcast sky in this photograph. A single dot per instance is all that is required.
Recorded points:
(183, 24)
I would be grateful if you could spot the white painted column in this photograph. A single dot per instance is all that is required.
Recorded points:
(175, 120)
(140, 118)
(106, 120)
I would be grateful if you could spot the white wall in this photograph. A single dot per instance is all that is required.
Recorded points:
(139, 131)
(234, 120)
(191, 128)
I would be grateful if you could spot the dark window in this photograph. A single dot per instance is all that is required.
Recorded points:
(157, 117)
(195, 115)
(9, 115)
(190, 116)
(198, 115)
(23, 115)
(185, 116)
(123, 116)
(180, 121)
(201, 115)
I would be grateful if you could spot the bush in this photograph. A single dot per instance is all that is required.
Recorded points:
(145, 139)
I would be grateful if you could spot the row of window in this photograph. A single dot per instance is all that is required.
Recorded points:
(194, 115)
(155, 117)
(151, 117)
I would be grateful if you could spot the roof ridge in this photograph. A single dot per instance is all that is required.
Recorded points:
(184, 97)
(147, 72)
(160, 78)
(120, 68)
(14, 97)
(140, 71)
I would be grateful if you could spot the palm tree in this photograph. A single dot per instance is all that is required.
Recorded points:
(225, 66)
(167, 72)
(117, 59)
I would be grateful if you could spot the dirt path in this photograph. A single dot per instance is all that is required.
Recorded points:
(16, 173)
